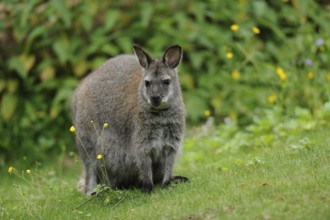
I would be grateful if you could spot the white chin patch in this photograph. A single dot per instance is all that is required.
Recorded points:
(163, 105)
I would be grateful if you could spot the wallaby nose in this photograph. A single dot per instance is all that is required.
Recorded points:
(155, 100)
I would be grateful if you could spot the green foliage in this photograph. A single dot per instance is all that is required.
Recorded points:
(279, 56)
(215, 145)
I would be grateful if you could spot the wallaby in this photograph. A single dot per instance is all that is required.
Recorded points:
(139, 98)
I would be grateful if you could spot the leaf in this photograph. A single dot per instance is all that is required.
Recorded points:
(97, 62)
(46, 142)
(109, 49)
(199, 11)
(216, 103)
(86, 21)
(62, 95)
(27, 62)
(12, 86)
(22, 64)
(197, 60)
(8, 106)
(36, 32)
(47, 74)
(26, 12)
(146, 14)
(186, 80)
(61, 49)
(2, 85)
(260, 8)
(111, 19)
(125, 43)
(81, 68)
(61, 7)
(53, 112)
(15, 64)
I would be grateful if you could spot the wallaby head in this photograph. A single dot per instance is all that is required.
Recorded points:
(160, 81)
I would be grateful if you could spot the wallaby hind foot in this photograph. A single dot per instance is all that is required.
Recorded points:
(176, 180)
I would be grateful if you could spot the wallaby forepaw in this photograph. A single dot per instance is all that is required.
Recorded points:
(166, 184)
(90, 193)
(147, 188)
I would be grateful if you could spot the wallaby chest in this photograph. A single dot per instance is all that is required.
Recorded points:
(157, 141)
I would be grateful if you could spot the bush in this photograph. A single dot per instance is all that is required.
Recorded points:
(240, 58)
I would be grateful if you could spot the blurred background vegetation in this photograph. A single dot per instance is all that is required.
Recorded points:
(241, 60)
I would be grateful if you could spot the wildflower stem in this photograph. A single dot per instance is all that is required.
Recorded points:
(92, 122)
(84, 202)
(105, 173)
(102, 140)
(22, 178)
(122, 199)
(27, 206)
(83, 146)
(42, 179)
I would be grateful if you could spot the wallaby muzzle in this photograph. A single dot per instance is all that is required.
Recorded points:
(156, 100)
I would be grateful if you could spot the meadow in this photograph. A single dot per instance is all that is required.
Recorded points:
(288, 178)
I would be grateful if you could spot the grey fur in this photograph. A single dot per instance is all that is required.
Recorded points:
(140, 98)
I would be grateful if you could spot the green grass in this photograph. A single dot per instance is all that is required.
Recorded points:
(275, 182)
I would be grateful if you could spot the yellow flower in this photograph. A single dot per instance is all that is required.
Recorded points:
(10, 170)
(281, 74)
(229, 55)
(207, 113)
(72, 129)
(235, 75)
(99, 156)
(256, 30)
(105, 125)
(92, 122)
(234, 27)
(28, 171)
(310, 75)
(272, 99)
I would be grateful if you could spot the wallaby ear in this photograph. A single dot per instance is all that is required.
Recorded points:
(143, 57)
(172, 56)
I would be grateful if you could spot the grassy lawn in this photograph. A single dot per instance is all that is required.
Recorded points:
(276, 182)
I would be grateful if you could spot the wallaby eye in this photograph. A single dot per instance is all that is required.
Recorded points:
(147, 83)
(166, 82)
